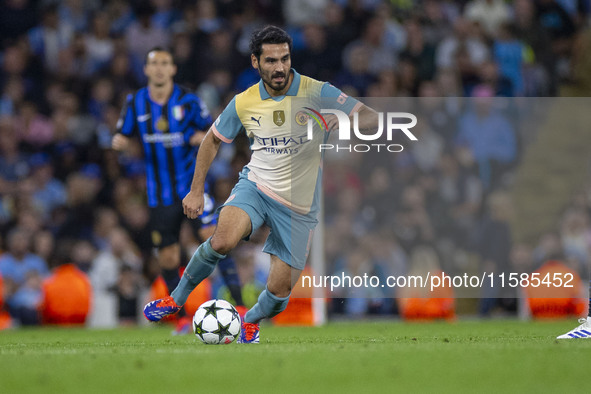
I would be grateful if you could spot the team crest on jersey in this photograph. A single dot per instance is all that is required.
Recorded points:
(178, 112)
(279, 117)
(301, 118)
(162, 124)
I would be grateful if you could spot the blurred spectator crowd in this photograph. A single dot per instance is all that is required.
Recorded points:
(67, 66)
(444, 204)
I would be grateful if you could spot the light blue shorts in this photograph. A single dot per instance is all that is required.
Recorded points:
(291, 233)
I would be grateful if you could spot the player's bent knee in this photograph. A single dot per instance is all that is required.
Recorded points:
(223, 245)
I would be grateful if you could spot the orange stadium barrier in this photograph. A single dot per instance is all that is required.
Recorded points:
(426, 304)
(5, 320)
(67, 295)
(556, 302)
(299, 309)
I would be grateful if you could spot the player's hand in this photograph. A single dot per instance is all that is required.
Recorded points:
(332, 122)
(193, 204)
(197, 138)
(120, 142)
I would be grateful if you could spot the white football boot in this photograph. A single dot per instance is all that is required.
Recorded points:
(582, 331)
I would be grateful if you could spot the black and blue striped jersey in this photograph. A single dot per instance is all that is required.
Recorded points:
(165, 131)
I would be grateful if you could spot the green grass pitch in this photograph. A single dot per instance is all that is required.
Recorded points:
(465, 356)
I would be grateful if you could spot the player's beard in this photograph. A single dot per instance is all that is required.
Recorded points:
(268, 80)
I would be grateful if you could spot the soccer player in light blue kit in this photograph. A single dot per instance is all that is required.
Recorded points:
(278, 187)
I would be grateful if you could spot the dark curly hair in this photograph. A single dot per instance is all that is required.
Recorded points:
(268, 35)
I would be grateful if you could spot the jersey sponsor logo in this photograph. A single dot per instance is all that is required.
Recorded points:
(143, 118)
(282, 145)
(282, 151)
(169, 140)
(178, 112)
(281, 141)
(279, 117)
(257, 120)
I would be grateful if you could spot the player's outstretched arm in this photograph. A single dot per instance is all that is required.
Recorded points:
(120, 142)
(197, 138)
(368, 118)
(193, 201)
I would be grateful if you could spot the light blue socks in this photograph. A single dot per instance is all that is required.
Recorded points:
(268, 305)
(200, 267)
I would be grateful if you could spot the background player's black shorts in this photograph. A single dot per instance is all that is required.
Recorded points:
(165, 222)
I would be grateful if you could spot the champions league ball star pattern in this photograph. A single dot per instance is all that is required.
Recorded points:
(216, 322)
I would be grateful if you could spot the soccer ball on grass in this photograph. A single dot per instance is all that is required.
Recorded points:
(216, 322)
